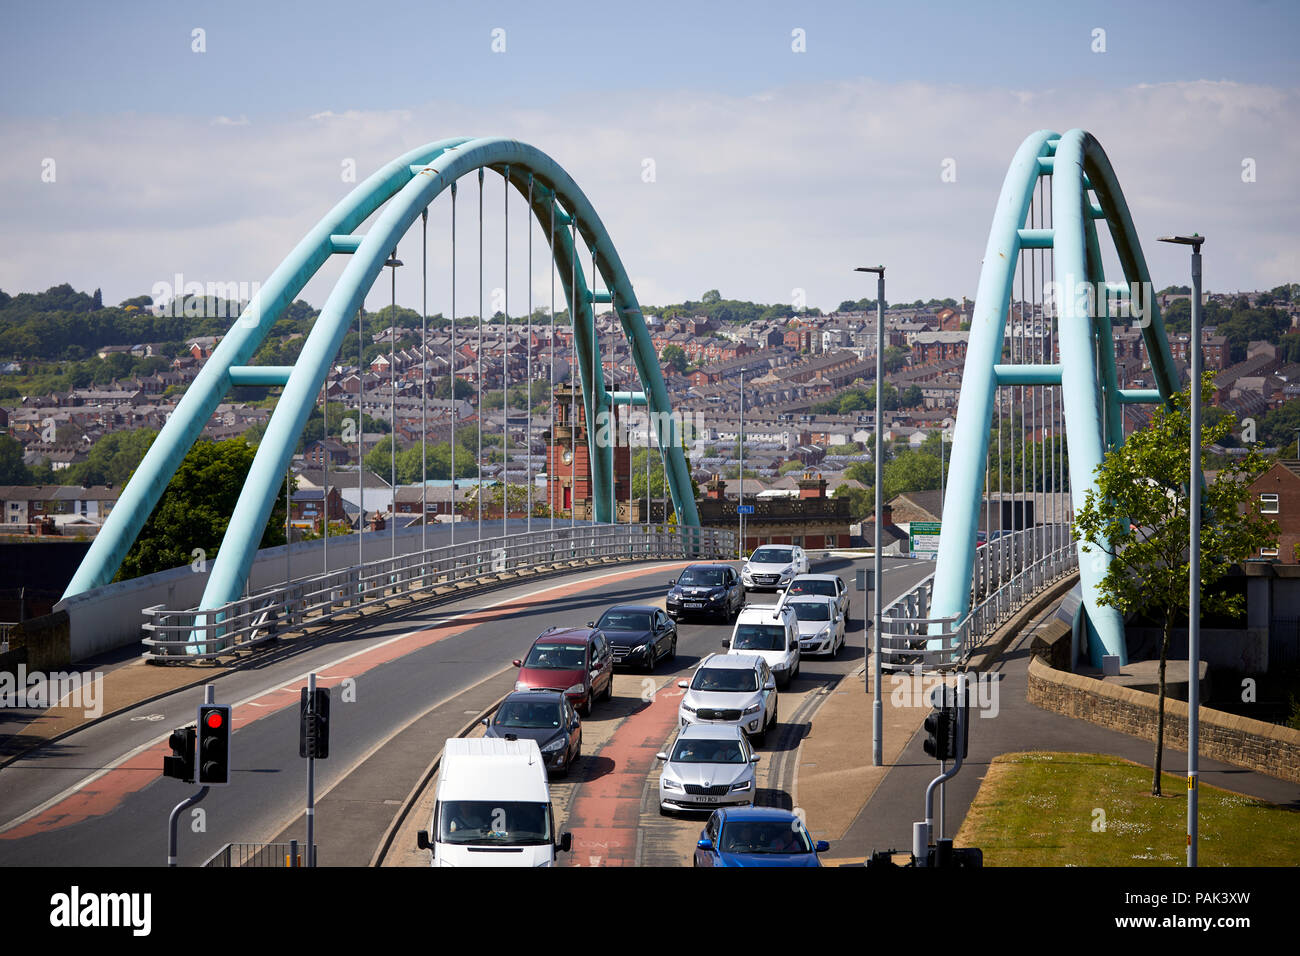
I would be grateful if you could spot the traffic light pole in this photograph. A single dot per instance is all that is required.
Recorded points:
(209, 697)
(921, 831)
(311, 785)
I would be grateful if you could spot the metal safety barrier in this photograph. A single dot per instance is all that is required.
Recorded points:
(277, 855)
(1013, 569)
(177, 636)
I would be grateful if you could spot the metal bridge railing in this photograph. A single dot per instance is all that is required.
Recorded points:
(1016, 567)
(188, 635)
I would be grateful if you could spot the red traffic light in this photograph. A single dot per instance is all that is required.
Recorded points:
(214, 720)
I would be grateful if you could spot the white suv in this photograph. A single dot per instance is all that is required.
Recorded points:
(735, 689)
(772, 566)
(773, 634)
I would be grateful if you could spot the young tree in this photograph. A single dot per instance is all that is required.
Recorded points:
(1139, 515)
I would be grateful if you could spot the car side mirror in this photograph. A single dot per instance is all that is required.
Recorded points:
(726, 643)
(486, 722)
(771, 685)
(422, 840)
(566, 842)
(591, 623)
(705, 844)
(517, 663)
(754, 758)
(822, 846)
(672, 584)
(684, 684)
(661, 756)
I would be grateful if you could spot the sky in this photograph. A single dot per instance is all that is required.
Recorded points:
(761, 149)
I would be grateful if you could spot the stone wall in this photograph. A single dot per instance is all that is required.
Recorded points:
(1254, 744)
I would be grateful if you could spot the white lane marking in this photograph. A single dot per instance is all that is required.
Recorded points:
(289, 686)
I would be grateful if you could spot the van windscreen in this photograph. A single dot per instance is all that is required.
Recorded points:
(494, 823)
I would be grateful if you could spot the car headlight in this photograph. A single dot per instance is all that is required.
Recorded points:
(670, 784)
(741, 787)
(788, 570)
(643, 649)
(824, 633)
(556, 744)
(520, 685)
(576, 689)
(687, 709)
(752, 708)
(717, 595)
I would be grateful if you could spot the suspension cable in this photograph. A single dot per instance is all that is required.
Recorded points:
(451, 371)
(424, 382)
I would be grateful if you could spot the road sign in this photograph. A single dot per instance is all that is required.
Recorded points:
(745, 510)
(924, 538)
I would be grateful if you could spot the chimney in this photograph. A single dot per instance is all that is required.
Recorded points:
(716, 488)
(887, 515)
(812, 485)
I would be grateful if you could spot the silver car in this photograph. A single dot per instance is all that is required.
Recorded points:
(821, 623)
(772, 566)
(707, 767)
(735, 689)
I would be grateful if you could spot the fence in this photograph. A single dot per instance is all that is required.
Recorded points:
(1012, 569)
(188, 635)
(268, 855)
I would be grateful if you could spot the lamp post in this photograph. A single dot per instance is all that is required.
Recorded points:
(877, 708)
(740, 437)
(1194, 550)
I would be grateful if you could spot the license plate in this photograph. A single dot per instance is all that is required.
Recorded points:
(694, 604)
(707, 799)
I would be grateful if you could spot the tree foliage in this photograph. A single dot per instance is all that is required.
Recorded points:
(1139, 515)
(195, 510)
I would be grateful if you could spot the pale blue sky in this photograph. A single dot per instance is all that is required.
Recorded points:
(776, 170)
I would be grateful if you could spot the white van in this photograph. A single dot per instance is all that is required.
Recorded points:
(773, 634)
(493, 807)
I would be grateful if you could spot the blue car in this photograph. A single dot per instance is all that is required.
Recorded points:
(756, 836)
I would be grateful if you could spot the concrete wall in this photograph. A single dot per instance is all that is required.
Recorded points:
(1254, 744)
(111, 616)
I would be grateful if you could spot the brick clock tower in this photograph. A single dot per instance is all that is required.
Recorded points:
(568, 465)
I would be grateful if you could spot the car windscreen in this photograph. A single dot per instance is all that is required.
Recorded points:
(533, 715)
(708, 751)
(725, 679)
(811, 611)
(494, 822)
(759, 637)
(624, 621)
(701, 578)
(557, 657)
(826, 588)
(771, 556)
(764, 836)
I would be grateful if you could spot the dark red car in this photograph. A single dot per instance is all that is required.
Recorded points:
(575, 660)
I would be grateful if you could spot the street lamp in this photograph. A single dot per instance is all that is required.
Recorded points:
(877, 709)
(1194, 550)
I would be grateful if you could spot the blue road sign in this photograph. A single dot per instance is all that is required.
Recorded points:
(745, 509)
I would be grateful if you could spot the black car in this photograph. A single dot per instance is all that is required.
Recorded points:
(639, 635)
(706, 589)
(542, 715)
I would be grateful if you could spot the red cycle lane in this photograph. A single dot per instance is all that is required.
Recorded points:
(606, 812)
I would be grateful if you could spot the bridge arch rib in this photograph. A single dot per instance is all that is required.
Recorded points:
(1084, 188)
(403, 188)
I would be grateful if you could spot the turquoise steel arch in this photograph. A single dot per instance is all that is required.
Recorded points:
(407, 185)
(1084, 189)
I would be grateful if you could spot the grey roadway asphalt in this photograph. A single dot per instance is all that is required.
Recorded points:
(126, 809)
(885, 822)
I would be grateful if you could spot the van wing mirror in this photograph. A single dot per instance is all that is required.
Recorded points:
(566, 842)
(422, 840)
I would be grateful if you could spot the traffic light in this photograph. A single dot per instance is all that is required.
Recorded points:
(314, 724)
(181, 762)
(941, 731)
(214, 745)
